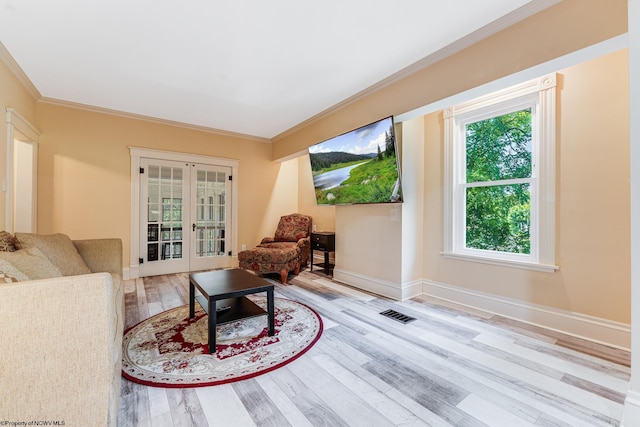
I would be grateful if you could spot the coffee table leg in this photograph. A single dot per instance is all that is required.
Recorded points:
(271, 312)
(192, 301)
(213, 321)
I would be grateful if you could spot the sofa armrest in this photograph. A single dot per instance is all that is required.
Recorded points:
(101, 254)
(61, 358)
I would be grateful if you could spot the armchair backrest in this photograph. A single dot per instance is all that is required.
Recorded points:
(293, 227)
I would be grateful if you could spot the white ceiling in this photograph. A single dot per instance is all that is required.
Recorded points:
(253, 67)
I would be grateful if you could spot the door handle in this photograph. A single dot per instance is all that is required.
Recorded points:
(194, 227)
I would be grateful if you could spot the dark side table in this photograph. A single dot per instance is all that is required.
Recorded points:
(323, 241)
(223, 298)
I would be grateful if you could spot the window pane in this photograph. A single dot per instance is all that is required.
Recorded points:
(499, 218)
(499, 147)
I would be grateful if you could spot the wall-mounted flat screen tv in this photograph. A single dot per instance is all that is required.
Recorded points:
(360, 166)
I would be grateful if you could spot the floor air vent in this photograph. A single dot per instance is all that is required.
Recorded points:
(392, 314)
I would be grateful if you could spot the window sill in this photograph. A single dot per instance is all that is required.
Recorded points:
(547, 268)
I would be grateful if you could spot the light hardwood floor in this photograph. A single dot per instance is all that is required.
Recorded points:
(451, 366)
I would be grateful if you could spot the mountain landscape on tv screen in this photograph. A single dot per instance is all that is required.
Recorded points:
(360, 166)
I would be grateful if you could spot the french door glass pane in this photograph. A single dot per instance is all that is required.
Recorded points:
(210, 218)
(164, 213)
(499, 218)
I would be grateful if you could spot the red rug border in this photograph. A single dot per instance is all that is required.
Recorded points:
(231, 380)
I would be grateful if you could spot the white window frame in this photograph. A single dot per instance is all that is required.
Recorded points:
(539, 95)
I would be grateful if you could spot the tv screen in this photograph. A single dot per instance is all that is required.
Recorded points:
(360, 166)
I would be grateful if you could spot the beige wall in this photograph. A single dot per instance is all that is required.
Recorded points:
(84, 165)
(593, 203)
(593, 186)
(592, 208)
(369, 244)
(324, 217)
(84, 173)
(564, 28)
(12, 95)
(283, 199)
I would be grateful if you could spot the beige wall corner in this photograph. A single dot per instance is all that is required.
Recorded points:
(13, 94)
(84, 173)
(323, 216)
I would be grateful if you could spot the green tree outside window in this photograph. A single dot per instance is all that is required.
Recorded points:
(498, 154)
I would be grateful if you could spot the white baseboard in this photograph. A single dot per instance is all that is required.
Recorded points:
(399, 291)
(603, 331)
(595, 329)
(131, 272)
(631, 412)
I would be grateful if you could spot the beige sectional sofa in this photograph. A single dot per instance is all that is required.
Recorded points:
(61, 337)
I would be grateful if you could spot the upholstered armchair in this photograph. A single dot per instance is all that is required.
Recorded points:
(288, 250)
(294, 228)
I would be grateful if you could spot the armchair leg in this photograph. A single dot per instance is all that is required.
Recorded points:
(297, 270)
(283, 276)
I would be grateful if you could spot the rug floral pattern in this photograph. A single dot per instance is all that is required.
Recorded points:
(171, 350)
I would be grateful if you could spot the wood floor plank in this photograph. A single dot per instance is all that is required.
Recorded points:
(442, 401)
(592, 362)
(388, 408)
(158, 402)
(489, 413)
(564, 366)
(162, 420)
(543, 385)
(342, 290)
(607, 393)
(351, 408)
(186, 410)
(518, 398)
(222, 407)
(306, 400)
(431, 391)
(134, 409)
(131, 312)
(619, 356)
(452, 366)
(143, 304)
(449, 306)
(259, 405)
(291, 412)
(414, 353)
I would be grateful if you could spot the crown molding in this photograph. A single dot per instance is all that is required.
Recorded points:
(15, 69)
(13, 66)
(150, 119)
(480, 34)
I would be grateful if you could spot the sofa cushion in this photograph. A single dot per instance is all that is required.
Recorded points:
(26, 264)
(59, 249)
(7, 242)
(9, 273)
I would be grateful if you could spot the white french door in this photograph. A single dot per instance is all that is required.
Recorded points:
(210, 186)
(183, 216)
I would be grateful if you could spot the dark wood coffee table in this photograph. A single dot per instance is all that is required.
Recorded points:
(223, 298)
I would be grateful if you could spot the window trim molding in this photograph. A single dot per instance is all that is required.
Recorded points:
(543, 91)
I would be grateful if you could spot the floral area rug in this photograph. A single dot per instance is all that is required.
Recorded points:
(171, 350)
